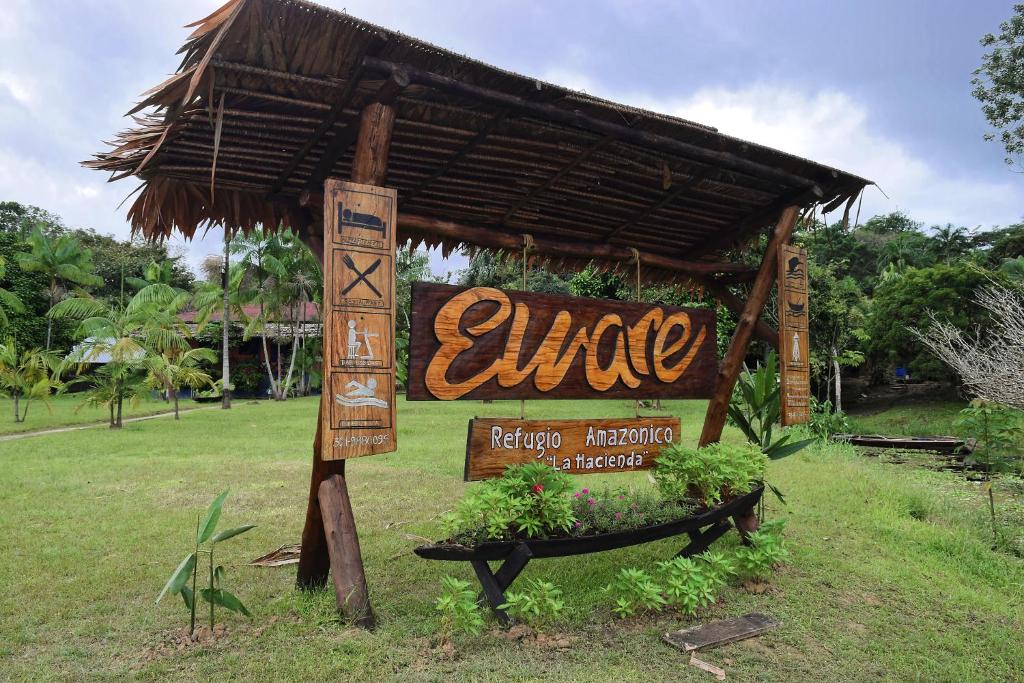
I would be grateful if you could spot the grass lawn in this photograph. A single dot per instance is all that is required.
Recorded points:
(891, 578)
(63, 411)
(933, 418)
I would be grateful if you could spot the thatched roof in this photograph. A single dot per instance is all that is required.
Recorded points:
(287, 78)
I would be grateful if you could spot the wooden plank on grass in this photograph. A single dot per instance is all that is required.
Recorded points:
(721, 631)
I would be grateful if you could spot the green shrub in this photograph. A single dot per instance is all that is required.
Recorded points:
(718, 566)
(527, 501)
(635, 591)
(766, 550)
(538, 604)
(458, 608)
(688, 584)
(711, 473)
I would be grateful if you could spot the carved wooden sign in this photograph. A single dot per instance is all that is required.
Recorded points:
(572, 446)
(486, 343)
(794, 342)
(359, 313)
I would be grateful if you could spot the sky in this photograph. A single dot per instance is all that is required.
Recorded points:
(876, 88)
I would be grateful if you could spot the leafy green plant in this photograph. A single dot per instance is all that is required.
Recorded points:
(712, 473)
(610, 510)
(688, 584)
(826, 421)
(206, 543)
(766, 550)
(755, 408)
(459, 608)
(538, 604)
(999, 437)
(634, 591)
(526, 501)
(31, 374)
(718, 567)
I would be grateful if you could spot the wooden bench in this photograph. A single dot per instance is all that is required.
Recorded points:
(703, 530)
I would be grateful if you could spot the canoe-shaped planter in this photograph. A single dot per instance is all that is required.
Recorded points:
(579, 545)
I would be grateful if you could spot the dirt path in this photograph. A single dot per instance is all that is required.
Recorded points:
(94, 425)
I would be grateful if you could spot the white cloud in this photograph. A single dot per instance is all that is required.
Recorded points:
(831, 127)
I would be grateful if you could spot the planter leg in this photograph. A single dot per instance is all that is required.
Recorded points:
(492, 591)
(702, 540)
(495, 583)
(746, 523)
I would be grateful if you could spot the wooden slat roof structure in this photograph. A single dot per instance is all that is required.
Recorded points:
(266, 103)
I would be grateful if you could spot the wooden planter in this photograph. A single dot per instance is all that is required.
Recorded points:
(703, 529)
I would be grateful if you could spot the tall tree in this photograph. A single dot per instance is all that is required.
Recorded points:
(63, 261)
(950, 242)
(998, 84)
(9, 301)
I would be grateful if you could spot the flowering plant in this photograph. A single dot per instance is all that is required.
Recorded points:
(713, 472)
(527, 501)
(610, 510)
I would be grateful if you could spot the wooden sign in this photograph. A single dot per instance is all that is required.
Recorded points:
(486, 343)
(794, 341)
(572, 446)
(359, 314)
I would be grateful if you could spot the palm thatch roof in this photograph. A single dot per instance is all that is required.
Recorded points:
(269, 92)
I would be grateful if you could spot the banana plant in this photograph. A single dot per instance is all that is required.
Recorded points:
(206, 542)
(755, 408)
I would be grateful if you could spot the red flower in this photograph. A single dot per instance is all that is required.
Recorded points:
(537, 488)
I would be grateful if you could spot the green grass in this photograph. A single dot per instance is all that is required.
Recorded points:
(914, 419)
(891, 577)
(67, 410)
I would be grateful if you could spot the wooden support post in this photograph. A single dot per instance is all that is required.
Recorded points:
(346, 560)
(729, 371)
(762, 330)
(341, 552)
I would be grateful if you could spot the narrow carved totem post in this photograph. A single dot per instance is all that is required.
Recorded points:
(794, 343)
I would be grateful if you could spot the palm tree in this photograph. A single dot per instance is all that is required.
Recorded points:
(173, 372)
(950, 243)
(30, 375)
(63, 260)
(124, 337)
(8, 300)
(155, 273)
(262, 259)
(226, 297)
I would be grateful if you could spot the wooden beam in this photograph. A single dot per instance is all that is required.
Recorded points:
(732, 364)
(669, 197)
(562, 172)
(757, 218)
(344, 95)
(578, 119)
(343, 553)
(380, 105)
(762, 330)
(346, 559)
(497, 239)
(475, 142)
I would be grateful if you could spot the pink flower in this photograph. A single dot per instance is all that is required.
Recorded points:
(621, 497)
(576, 495)
(591, 501)
(537, 488)
(578, 524)
(618, 515)
(585, 491)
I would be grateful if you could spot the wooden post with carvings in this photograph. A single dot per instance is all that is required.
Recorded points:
(732, 364)
(341, 553)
